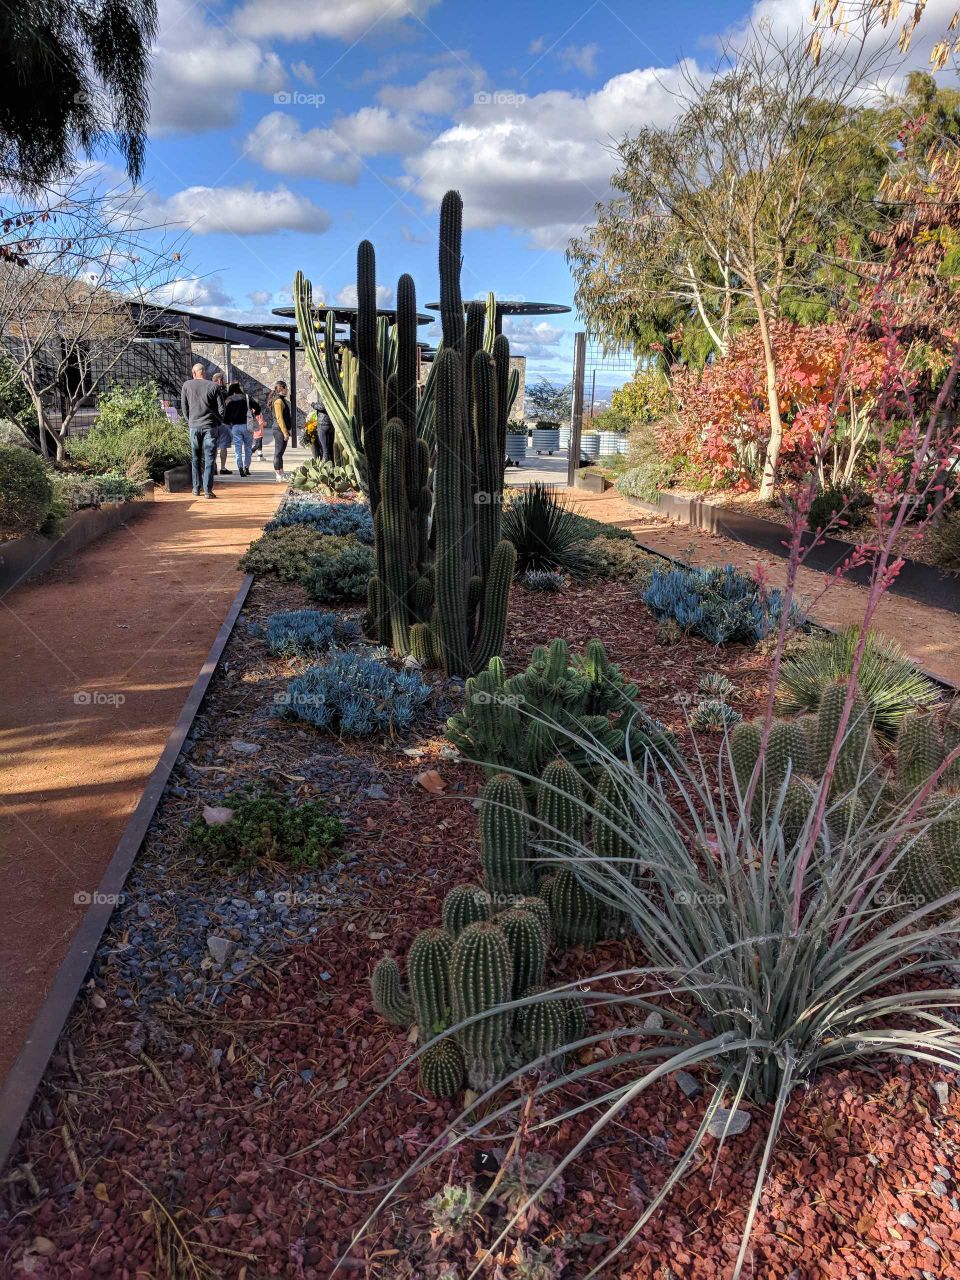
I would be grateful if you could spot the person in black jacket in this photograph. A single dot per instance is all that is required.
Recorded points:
(238, 406)
(282, 427)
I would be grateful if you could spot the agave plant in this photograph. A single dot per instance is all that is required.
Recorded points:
(770, 999)
(891, 682)
(547, 534)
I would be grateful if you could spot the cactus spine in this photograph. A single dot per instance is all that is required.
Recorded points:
(428, 972)
(560, 806)
(481, 978)
(919, 752)
(542, 1027)
(442, 1068)
(387, 994)
(573, 911)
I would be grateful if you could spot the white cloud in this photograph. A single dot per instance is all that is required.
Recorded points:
(439, 93)
(375, 131)
(542, 163)
(200, 69)
(343, 20)
(347, 297)
(280, 145)
(538, 45)
(260, 297)
(535, 339)
(580, 58)
(303, 71)
(194, 293)
(241, 211)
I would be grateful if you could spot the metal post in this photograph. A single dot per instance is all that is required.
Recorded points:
(293, 388)
(576, 408)
(228, 362)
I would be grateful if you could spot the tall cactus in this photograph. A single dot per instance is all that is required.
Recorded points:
(433, 469)
(481, 979)
(428, 973)
(504, 831)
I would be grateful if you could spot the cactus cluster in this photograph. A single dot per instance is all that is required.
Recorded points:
(523, 721)
(860, 787)
(467, 977)
(432, 465)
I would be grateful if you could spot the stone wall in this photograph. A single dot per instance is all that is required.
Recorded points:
(257, 371)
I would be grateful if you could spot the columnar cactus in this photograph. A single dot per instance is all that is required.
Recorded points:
(608, 840)
(504, 833)
(855, 758)
(428, 973)
(744, 750)
(573, 911)
(919, 752)
(560, 805)
(465, 904)
(922, 876)
(481, 979)
(787, 747)
(951, 741)
(442, 1069)
(387, 994)
(440, 590)
(528, 947)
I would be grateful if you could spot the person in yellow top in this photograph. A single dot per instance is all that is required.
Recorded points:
(282, 426)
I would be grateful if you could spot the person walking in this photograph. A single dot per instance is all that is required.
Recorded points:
(237, 407)
(282, 427)
(224, 431)
(200, 406)
(324, 432)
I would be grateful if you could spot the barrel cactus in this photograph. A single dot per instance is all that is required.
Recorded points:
(561, 812)
(573, 910)
(387, 994)
(481, 979)
(428, 972)
(528, 947)
(542, 1026)
(504, 833)
(442, 1069)
(919, 750)
(464, 904)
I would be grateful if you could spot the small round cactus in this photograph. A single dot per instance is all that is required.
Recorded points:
(442, 1069)
(428, 971)
(387, 994)
(464, 904)
(538, 907)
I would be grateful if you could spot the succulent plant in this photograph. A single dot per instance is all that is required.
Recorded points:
(542, 1026)
(387, 994)
(712, 715)
(919, 750)
(528, 947)
(537, 907)
(504, 834)
(481, 979)
(716, 685)
(442, 1069)
(464, 904)
(428, 973)
(561, 814)
(574, 911)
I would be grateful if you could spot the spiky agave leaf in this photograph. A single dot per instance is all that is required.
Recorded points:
(546, 533)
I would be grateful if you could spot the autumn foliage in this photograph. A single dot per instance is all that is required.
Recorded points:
(721, 424)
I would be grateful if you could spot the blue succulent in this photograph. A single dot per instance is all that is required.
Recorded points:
(299, 632)
(339, 518)
(721, 604)
(355, 695)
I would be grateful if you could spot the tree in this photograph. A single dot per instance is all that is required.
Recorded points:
(549, 402)
(74, 75)
(77, 273)
(739, 211)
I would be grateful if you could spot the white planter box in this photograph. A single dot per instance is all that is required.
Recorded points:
(516, 445)
(546, 439)
(609, 443)
(564, 437)
(590, 444)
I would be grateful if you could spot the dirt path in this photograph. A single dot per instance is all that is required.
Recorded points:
(99, 656)
(930, 636)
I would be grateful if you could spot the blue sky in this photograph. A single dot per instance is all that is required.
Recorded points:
(284, 131)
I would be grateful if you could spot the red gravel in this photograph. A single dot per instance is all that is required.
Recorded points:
(126, 1161)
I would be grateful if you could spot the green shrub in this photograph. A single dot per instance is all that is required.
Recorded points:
(26, 492)
(644, 481)
(835, 508)
(267, 828)
(132, 435)
(74, 490)
(622, 560)
(889, 680)
(590, 528)
(330, 567)
(942, 540)
(343, 572)
(545, 533)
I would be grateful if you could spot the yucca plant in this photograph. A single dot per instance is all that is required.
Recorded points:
(770, 1000)
(546, 533)
(891, 682)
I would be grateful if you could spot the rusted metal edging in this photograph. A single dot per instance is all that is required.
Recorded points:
(26, 1073)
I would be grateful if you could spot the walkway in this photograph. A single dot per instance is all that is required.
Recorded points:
(99, 656)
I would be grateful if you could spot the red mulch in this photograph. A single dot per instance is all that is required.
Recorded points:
(122, 1160)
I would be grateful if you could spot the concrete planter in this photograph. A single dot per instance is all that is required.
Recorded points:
(178, 479)
(546, 439)
(516, 445)
(592, 481)
(590, 444)
(22, 558)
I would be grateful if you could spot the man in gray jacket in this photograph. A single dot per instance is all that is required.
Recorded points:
(200, 401)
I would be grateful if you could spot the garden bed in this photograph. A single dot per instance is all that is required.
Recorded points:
(23, 558)
(181, 1125)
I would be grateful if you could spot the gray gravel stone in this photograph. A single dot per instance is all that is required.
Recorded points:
(942, 1090)
(739, 1123)
(688, 1084)
(654, 1022)
(220, 948)
(244, 748)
